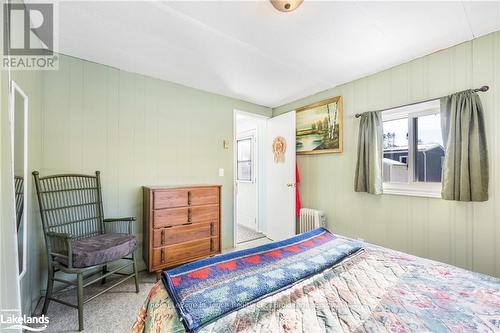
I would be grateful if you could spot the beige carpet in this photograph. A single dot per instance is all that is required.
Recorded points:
(114, 311)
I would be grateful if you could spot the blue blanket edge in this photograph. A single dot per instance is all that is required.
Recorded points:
(235, 254)
(185, 318)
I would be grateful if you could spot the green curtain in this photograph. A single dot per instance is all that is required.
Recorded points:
(368, 176)
(465, 167)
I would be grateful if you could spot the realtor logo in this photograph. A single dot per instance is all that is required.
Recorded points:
(29, 36)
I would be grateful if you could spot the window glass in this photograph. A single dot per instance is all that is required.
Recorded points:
(245, 171)
(395, 164)
(430, 150)
(413, 151)
(244, 149)
(244, 159)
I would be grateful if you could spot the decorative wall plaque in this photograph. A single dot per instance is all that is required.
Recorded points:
(279, 149)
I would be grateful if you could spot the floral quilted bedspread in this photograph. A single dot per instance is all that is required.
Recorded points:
(378, 290)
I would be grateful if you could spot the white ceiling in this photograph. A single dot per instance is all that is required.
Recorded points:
(250, 51)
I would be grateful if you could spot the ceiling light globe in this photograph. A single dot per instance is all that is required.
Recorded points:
(286, 5)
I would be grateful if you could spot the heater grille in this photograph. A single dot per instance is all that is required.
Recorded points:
(311, 219)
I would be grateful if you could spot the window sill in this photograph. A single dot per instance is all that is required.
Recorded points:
(426, 190)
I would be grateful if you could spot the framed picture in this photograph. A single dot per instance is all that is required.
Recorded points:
(319, 127)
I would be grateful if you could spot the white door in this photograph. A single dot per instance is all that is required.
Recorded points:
(281, 178)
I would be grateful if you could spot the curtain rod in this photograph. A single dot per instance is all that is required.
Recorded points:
(482, 89)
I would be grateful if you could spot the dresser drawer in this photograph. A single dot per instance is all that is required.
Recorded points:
(178, 216)
(204, 196)
(173, 254)
(184, 233)
(204, 214)
(170, 198)
(170, 217)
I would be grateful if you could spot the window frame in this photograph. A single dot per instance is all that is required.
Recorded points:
(412, 187)
(250, 137)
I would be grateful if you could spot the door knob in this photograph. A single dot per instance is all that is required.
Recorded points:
(291, 184)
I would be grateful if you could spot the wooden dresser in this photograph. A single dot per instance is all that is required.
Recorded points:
(181, 224)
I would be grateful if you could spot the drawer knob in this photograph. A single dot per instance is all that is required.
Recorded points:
(189, 215)
(162, 256)
(189, 198)
(163, 237)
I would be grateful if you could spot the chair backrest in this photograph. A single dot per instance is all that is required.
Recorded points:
(19, 191)
(70, 204)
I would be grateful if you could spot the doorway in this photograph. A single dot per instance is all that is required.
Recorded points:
(249, 177)
(264, 178)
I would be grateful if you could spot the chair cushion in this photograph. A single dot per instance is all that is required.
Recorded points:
(102, 249)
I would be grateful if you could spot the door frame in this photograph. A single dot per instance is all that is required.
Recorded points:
(260, 192)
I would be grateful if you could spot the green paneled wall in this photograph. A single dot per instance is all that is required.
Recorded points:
(137, 131)
(463, 234)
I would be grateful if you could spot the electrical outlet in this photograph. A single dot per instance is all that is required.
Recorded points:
(221, 172)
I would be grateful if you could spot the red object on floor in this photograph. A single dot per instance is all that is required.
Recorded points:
(297, 196)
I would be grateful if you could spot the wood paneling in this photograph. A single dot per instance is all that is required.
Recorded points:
(462, 234)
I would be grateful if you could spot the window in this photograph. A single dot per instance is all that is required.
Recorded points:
(413, 150)
(244, 159)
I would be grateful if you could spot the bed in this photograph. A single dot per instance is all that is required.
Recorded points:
(371, 290)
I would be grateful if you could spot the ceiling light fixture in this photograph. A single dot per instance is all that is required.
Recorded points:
(286, 5)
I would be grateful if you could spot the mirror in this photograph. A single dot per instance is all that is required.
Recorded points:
(19, 116)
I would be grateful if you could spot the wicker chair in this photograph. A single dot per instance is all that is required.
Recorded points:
(79, 240)
(19, 190)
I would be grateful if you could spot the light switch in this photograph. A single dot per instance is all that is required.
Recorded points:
(221, 172)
